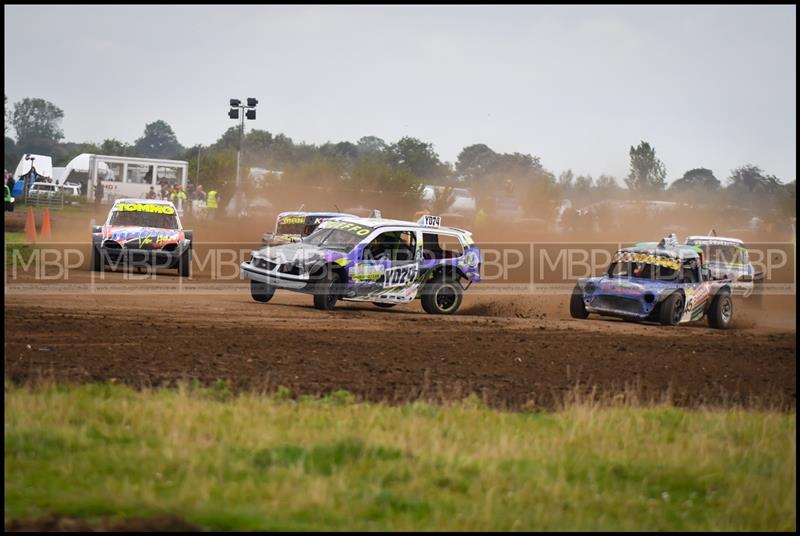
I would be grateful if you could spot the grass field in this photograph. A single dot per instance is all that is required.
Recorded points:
(14, 241)
(103, 452)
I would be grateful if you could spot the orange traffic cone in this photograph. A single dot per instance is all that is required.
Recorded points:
(30, 227)
(45, 234)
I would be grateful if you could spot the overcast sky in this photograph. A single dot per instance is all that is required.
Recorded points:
(710, 86)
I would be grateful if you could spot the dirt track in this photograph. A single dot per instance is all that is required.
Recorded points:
(509, 353)
(514, 351)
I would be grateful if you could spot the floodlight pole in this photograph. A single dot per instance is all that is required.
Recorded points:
(239, 151)
(250, 104)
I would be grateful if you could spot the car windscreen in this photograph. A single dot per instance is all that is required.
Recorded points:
(642, 270)
(728, 254)
(644, 265)
(337, 239)
(144, 219)
(290, 228)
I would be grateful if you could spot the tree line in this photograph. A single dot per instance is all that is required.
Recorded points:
(371, 164)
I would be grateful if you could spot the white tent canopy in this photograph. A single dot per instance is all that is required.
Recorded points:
(42, 163)
(81, 163)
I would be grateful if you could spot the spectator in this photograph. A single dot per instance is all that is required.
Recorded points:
(213, 203)
(199, 193)
(151, 194)
(177, 196)
(10, 181)
(98, 192)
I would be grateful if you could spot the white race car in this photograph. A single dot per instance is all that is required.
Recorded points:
(727, 258)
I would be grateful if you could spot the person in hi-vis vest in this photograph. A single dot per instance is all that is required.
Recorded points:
(212, 203)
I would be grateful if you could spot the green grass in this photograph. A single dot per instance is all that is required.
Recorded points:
(16, 242)
(269, 462)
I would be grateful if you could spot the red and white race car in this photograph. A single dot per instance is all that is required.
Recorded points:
(142, 232)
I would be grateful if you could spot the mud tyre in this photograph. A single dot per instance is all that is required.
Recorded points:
(326, 293)
(671, 310)
(261, 292)
(185, 263)
(720, 312)
(442, 297)
(97, 259)
(577, 309)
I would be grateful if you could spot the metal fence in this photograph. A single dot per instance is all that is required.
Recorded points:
(54, 200)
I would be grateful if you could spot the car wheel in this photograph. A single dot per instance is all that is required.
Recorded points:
(720, 312)
(326, 293)
(671, 309)
(261, 292)
(577, 308)
(384, 305)
(185, 263)
(442, 297)
(97, 259)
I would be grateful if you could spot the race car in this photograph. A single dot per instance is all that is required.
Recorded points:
(726, 258)
(663, 282)
(292, 226)
(140, 232)
(376, 260)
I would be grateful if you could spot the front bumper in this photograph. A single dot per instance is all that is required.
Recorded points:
(141, 257)
(274, 278)
(619, 306)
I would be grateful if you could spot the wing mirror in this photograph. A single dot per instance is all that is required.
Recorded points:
(97, 228)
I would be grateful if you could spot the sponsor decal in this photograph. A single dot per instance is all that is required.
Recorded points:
(289, 220)
(658, 260)
(359, 230)
(143, 207)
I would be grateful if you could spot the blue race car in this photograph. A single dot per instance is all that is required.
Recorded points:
(663, 282)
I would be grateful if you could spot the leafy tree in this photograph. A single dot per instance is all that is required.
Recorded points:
(417, 157)
(158, 141)
(647, 172)
(443, 197)
(282, 152)
(583, 183)
(606, 183)
(11, 154)
(751, 179)
(475, 162)
(64, 152)
(258, 139)
(787, 206)
(114, 147)
(36, 122)
(565, 179)
(344, 151)
(696, 179)
(370, 146)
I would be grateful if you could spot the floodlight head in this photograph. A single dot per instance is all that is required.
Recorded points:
(250, 114)
(252, 101)
(235, 102)
(233, 113)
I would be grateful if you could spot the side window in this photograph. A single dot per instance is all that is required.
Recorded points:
(397, 246)
(139, 174)
(437, 246)
(689, 271)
